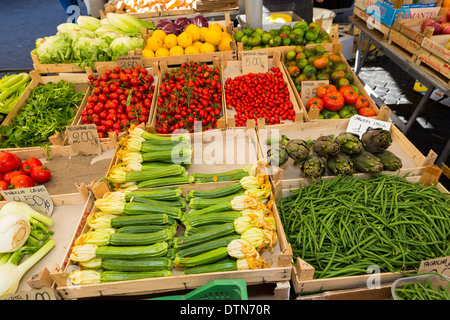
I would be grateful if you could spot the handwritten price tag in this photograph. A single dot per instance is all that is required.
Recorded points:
(254, 62)
(359, 124)
(37, 198)
(309, 89)
(130, 61)
(84, 139)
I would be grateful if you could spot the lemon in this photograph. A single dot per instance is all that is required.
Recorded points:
(147, 53)
(217, 27)
(170, 41)
(191, 50)
(194, 31)
(224, 45)
(207, 47)
(214, 37)
(159, 33)
(203, 31)
(197, 44)
(154, 43)
(184, 40)
(176, 51)
(162, 52)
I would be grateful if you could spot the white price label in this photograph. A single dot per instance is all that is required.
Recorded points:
(359, 124)
(254, 62)
(84, 139)
(309, 89)
(37, 198)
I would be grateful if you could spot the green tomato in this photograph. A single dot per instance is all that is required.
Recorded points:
(258, 31)
(314, 27)
(275, 42)
(299, 32)
(265, 38)
(254, 40)
(244, 40)
(238, 36)
(286, 42)
(302, 63)
(301, 25)
(311, 36)
(248, 31)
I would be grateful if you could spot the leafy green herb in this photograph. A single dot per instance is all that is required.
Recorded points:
(49, 109)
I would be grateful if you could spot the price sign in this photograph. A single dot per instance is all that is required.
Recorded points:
(37, 198)
(254, 62)
(34, 294)
(130, 61)
(84, 139)
(359, 124)
(309, 89)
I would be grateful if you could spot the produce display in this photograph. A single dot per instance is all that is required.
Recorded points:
(418, 291)
(25, 238)
(185, 36)
(15, 174)
(49, 109)
(189, 96)
(440, 25)
(345, 154)
(120, 98)
(259, 95)
(91, 40)
(343, 226)
(143, 6)
(11, 88)
(301, 33)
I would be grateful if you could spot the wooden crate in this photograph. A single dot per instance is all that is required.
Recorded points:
(379, 29)
(303, 273)
(164, 66)
(412, 159)
(110, 141)
(404, 45)
(80, 82)
(313, 114)
(381, 293)
(232, 69)
(434, 65)
(279, 259)
(44, 68)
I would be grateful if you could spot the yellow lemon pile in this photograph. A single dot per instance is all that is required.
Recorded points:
(191, 41)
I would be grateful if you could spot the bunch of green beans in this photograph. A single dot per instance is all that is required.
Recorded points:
(419, 291)
(343, 226)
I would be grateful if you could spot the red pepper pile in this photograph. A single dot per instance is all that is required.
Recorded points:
(119, 98)
(189, 95)
(259, 95)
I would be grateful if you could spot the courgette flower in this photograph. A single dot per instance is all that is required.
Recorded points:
(95, 263)
(240, 203)
(110, 205)
(256, 237)
(83, 252)
(117, 174)
(84, 277)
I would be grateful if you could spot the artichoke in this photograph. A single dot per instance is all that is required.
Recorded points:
(376, 140)
(367, 162)
(350, 143)
(277, 156)
(389, 160)
(340, 164)
(313, 167)
(297, 149)
(326, 146)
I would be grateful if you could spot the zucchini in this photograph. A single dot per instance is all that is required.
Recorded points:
(228, 264)
(132, 208)
(211, 218)
(112, 276)
(172, 170)
(207, 246)
(158, 249)
(219, 207)
(139, 239)
(215, 193)
(141, 264)
(140, 220)
(176, 155)
(175, 203)
(147, 229)
(207, 235)
(164, 194)
(189, 231)
(148, 146)
(154, 165)
(166, 140)
(170, 181)
(203, 258)
(200, 203)
(171, 253)
(232, 175)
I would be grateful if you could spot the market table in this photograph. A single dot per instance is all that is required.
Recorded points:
(374, 38)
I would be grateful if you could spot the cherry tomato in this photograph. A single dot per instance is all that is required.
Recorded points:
(40, 174)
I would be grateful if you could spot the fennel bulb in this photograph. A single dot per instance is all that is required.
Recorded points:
(14, 231)
(25, 210)
(11, 274)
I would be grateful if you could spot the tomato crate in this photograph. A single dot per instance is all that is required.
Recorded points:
(313, 114)
(233, 69)
(304, 277)
(279, 271)
(413, 161)
(211, 62)
(80, 82)
(110, 139)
